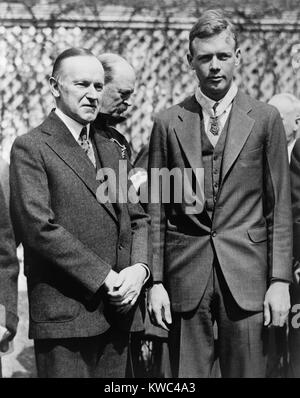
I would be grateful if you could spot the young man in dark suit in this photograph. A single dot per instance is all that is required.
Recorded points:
(85, 258)
(227, 259)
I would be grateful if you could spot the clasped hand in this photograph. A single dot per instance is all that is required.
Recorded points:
(123, 288)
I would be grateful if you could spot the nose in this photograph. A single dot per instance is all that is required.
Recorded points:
(214, 63)
(92, 93)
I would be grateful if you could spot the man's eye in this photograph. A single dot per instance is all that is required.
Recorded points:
(204, 59)
(99, 87)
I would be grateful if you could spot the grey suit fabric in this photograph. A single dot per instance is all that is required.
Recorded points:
(217, 265)
(250, 231)
(294, 331)
(71, 241)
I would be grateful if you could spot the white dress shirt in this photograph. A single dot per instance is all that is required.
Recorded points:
(74, 126)
(222, 111)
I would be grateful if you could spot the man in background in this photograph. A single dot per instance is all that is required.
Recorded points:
(119, 81)
(289, 108)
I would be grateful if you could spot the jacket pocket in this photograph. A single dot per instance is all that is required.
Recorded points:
(48, 304)
(257, 235)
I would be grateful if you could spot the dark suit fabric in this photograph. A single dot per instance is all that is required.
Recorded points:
(103, 125)
(71, 240)
(247, 235)
(294, 331)
(9, 268)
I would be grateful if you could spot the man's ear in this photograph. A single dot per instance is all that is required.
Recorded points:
(54, 87)
(237, 57)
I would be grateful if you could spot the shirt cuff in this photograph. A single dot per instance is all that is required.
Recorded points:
(148, 273)
(279, 280)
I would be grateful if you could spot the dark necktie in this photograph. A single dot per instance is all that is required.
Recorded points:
(214, 123)
(86, 146)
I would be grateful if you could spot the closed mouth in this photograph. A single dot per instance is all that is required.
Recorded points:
(90, 106)
(215, 78)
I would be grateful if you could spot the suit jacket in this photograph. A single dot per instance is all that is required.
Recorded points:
(102, 124)
(71, 240)
(250, 230)
(9, 269)
(295, 188)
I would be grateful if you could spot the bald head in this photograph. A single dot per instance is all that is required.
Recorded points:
(119, 80)
(289, 108)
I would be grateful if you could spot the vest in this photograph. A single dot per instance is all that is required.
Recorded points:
(212, 161)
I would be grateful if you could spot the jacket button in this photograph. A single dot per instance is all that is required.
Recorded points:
(213, 234)
(121, 247)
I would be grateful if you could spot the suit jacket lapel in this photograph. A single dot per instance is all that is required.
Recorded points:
(187, 128)
(109, 158)
(240, 126)
(64, 145)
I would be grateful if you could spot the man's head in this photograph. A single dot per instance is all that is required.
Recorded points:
(289, 108)
(77, 84)
(213, 53)
(119, 84)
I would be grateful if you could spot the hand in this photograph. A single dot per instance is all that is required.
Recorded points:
(159, 306)
(277, 304)
(127, 286)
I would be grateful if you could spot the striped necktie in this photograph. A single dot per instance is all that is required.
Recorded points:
(86, 145)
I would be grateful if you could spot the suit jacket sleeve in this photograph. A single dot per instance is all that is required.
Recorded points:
(140, 227)
(157, 159)
(34, 220)
(9, 268)
(278, 201)
(295, 187)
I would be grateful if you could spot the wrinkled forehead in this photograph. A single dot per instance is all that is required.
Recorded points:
(124, 81)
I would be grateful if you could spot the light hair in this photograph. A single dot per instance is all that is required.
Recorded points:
(109, 62)
(212, 22)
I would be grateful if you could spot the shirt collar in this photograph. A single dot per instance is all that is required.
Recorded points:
(74, 127)
(207, 103)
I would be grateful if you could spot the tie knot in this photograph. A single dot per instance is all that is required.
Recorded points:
(215, 107)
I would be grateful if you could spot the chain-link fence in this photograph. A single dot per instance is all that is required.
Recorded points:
(156, 47)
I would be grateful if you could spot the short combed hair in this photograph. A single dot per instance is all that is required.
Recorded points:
(211, 22)
(69, 53)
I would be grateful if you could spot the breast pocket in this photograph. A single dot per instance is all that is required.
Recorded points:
(251, 155)
(257, 235)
